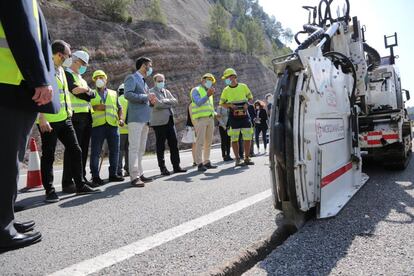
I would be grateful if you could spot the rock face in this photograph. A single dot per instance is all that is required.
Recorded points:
(175, 48)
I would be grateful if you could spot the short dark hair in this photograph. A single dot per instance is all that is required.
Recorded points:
(59, 46)
(142, 60)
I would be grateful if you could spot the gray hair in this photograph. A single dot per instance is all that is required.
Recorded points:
(158, 75)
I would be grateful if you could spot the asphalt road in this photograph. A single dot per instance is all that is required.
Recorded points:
(182, 224)
(373, 235)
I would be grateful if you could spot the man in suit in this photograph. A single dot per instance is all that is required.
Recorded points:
(27, 86)
(162, 121)
(138, 117)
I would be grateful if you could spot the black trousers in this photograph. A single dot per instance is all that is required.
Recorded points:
(82, 123)
(257, 131)
(167, 133)
(65, 132)
(225, 142)
(16, 125)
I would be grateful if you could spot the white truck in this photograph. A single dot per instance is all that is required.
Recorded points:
(384, 126)
(323, 91)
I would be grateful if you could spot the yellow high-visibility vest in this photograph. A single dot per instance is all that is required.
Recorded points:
(9, 71)
(206, 109)
(63, 95)
(79, 105)
(110, 115)
(124, 104)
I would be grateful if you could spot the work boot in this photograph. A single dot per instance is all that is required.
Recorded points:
(146, 179)
(239, 163)
(137, 182)
(179, 170)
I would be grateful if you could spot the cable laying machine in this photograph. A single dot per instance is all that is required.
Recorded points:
(322, 89)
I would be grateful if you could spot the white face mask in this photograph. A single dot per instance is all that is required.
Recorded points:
(67, 62)
(100, 83)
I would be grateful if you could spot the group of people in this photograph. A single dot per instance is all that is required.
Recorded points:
(42, 82)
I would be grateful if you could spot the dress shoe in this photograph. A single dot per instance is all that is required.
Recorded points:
(179, 170)
(145, 179)
(116, 178)
(248, 161)
(126, 173)
(194, 164)
(85, 189)
(201, 168)
(23, 227)
(20, 240)
(138, 183)
(227, 158)
(210, 166)
(86, 181)
(165, 172)
(96, 182)
(71, 189)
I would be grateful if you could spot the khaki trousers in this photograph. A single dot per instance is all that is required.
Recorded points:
(204, 129)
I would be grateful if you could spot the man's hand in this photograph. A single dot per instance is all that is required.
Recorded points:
(245, 107)
(44, 125)
(211, 91)
(80, 90)
(121, 123)
(152, 98)
(43, 95)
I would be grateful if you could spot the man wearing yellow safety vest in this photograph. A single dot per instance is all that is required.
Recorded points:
(80, 98)
(123, 134)
(59, 126)
(27, 86)
(202, 110)
(105, 120)
(236, 96)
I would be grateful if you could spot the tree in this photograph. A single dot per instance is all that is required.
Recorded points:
(154, 13)
(238, 41)
(116, 9)
(218, 27)
(253, 33)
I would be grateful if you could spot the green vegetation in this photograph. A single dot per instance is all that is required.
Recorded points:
(243, 26)
(154, 13)
(116, 9)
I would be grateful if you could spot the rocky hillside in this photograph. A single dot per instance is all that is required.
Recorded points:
(176, 47)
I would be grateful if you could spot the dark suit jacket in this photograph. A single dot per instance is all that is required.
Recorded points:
(33, 58)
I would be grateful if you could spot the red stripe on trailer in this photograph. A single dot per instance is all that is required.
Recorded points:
(374, 133)
(390, 136)
(335, 175)
(374, 142)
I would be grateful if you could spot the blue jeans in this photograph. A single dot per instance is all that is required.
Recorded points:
(99, 134)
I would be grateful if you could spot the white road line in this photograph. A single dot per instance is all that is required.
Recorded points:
(123, 253)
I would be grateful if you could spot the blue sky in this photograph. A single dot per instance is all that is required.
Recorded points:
(381, 17)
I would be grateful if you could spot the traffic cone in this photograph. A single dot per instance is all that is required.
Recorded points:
(34, 177)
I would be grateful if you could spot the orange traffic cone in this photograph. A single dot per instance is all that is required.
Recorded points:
(34, 177)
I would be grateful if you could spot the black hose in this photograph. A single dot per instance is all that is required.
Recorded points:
(317, 33)
(297, 36)
(374, 58)
(328, 13)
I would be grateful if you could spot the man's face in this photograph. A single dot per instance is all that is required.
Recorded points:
(160, 79)
(59, 58)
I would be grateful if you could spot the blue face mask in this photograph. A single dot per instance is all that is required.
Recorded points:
(149, 72)
(160, 85)
(209, 84)
(82, 69)
(227, 81)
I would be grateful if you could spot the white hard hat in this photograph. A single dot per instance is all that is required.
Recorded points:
(84, 56)
(121, 87)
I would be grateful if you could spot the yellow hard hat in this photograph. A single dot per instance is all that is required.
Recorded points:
(228, 72)
(98, 73)
(209, 76)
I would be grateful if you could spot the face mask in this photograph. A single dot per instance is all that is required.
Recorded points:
(149, 72)
(82, 70)
(100, 83)
(257, 107)
(160, 85)
(227, 81)
(209, 84)
(67, 62)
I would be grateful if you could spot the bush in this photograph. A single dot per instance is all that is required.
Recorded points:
(154, 13)
(116, 9)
